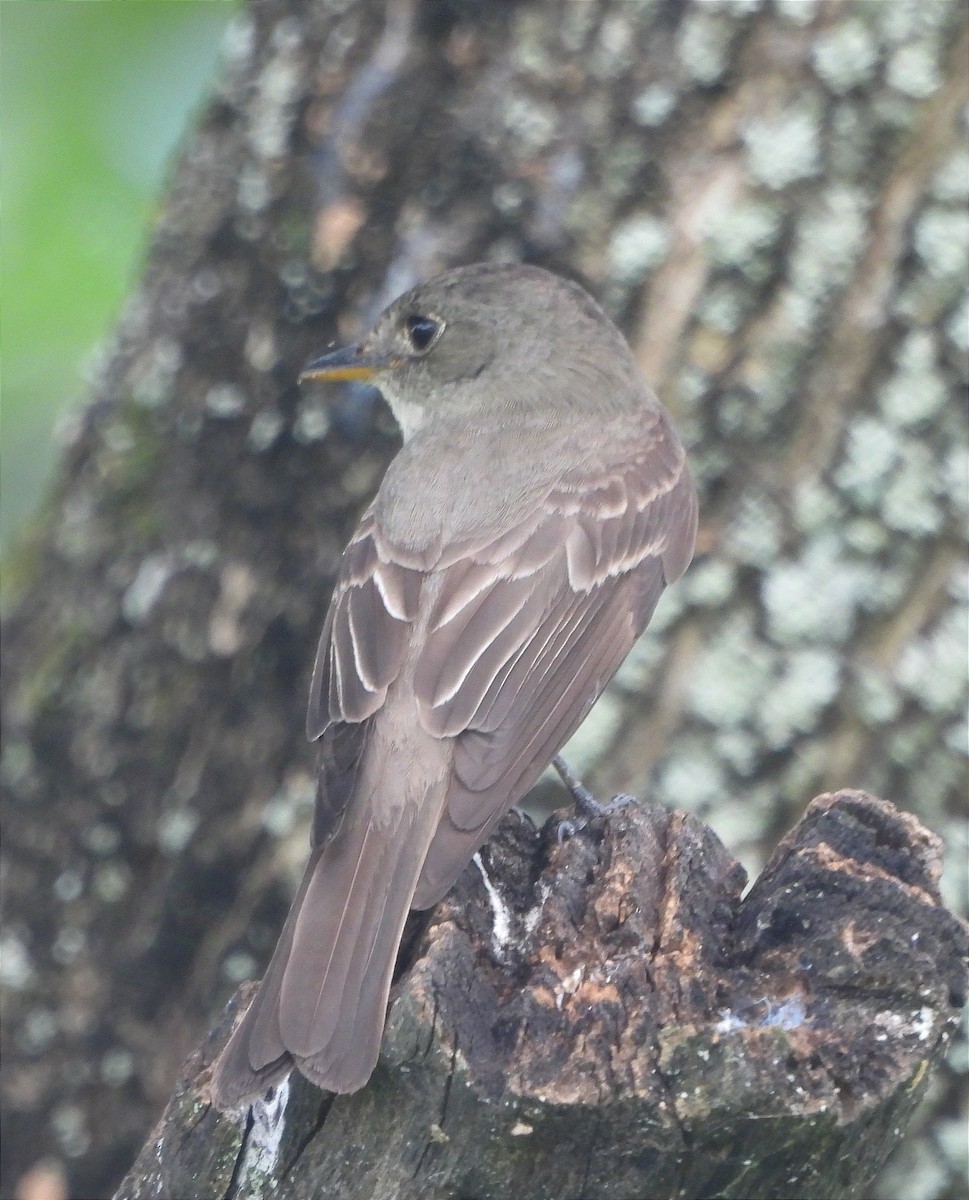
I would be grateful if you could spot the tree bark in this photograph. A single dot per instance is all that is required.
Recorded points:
(607, 1018)
(769, 199)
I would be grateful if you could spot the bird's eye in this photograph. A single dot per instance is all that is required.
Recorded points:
(421, 331)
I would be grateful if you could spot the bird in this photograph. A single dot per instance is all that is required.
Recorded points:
(515, 550)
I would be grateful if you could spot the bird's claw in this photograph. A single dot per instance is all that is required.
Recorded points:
(585, 803)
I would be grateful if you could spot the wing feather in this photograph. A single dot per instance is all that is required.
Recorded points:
(619, 539)
(520, 633)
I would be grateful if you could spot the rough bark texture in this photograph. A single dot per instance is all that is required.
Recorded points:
(769, 198)
(608, 1019)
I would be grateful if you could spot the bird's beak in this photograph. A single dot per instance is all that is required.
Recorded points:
(349, 362)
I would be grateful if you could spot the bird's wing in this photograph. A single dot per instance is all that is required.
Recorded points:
(530, 627)
(361, 650)
(525, 630)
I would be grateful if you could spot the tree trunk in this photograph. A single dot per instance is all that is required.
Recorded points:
(768, 198)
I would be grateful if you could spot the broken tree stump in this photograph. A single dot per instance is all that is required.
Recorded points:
(612, 1018)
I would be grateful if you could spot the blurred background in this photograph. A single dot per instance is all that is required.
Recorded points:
(95, 97)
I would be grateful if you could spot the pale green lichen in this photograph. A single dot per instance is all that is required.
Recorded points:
(957, 332)
(111, 882)
(16, 969)
(743, 233)
(744, 826)
(849, 146)
(815, 506)
(119, 438)
(830, 237)
(253, 194)
(276, 92)
(804, 770)
(508, 197)
(876, 698)
(954, 478)
(754, 534)
(289, 806)
(69, 885)
(102, 838)
(313, 420)
(642, 664)
(585, 747)
(730, 679)
(723, 308)
(797, 12)
(911, 743)
(529, 54)
(893, 111)
(785, 148)
(529, 122)
(668, 609)
(691, 777)
(809, 681)
(614, 49)
(637, 244)
(709, 584)
(653, 105)
(69, 945)
(740, 415)
(939, 775)
(816, 597)
(238, 42)
(200, 554)
(917, 389)
(933, 668)
(845, 56)
(955, 885)
(265, 430)
(147, 587)
(152, 375)
(225, 400)
(116, 1066)
(910, 501)
(913, 71)
(238, 966)
(872, 451)
(941, 240)
(866, 535)
(905, 21)
(68, 1123)
(740, 750)
(703, 44)
(38, 1030)
(623, 160)
(574, 26)
(17, 762)
(175, 830)
(950, 183)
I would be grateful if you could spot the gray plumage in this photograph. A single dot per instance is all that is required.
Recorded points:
(513, 554)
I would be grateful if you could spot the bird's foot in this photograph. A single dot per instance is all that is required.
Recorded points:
(586, 805)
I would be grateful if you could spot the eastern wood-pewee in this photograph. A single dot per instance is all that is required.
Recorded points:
(514, 552)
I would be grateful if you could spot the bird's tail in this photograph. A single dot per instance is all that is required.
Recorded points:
(322, 1002)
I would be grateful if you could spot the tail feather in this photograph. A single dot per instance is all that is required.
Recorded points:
(348, 1058)
(323, 999)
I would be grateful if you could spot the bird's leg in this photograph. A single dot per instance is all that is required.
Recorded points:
(586, 805)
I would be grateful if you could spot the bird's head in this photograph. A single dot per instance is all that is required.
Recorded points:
(475, 337)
